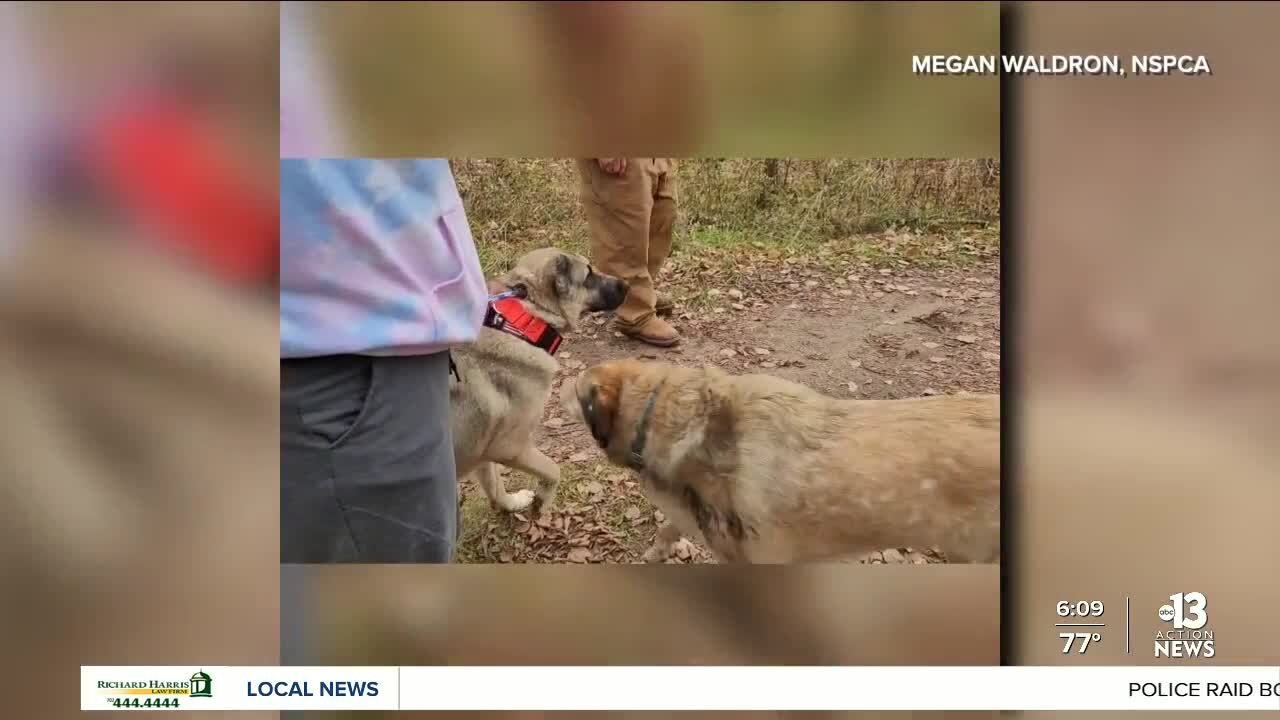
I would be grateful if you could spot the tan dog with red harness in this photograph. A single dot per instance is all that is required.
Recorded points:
(504, 378)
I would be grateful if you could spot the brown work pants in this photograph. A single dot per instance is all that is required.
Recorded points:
(630, 217)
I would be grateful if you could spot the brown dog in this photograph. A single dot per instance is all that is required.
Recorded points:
(766, 470)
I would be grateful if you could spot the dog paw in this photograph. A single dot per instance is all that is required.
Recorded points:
(543, 503)
(518, 500)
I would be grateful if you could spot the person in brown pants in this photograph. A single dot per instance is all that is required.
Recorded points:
(631, 210)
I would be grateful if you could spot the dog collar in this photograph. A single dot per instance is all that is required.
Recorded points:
(507, 314)
(636, 459)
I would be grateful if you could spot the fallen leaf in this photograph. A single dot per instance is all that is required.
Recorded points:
(811, 283)
(566, 354)
(713, 292)
(578, 457)
(554, 422)
(793, 306)
(853, 387)
(657, 515)
(768, 365)
(728, 352)
(929, 391)
(967, 339)
(684, 549)
(760, 351)
(579, 555)
(990, 355)
(738, 306)
(937, 359)
(631, 513)
(845, 293)
(717, 310)
(736, 294)
(506, 556)
(592, 488)
(855, 364)
(930, 345)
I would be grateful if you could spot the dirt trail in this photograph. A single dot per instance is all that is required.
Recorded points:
(860, 333)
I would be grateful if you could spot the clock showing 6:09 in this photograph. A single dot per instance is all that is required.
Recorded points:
(1081, 608)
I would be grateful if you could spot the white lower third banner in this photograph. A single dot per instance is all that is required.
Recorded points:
(178, 688)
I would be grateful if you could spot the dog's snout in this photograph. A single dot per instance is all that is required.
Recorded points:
(617, 292)
(608, 294)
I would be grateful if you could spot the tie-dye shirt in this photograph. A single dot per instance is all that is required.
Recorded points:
(376, 256)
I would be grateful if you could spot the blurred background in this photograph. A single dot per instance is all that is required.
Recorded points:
(138, 335)
(138, 454)
(501, 79)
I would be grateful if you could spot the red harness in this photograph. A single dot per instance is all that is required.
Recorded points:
(507, 314)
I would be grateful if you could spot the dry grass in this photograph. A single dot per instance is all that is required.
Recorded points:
(951, 207)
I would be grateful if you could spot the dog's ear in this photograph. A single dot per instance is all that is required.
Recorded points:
(563, 276)
(599, 408)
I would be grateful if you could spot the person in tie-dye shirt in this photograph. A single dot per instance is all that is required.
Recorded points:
(378, 279)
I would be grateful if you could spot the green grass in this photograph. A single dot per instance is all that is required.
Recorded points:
(925, 212)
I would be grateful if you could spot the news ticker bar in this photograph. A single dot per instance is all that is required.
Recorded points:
(179, 688)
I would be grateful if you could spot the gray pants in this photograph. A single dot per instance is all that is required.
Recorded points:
(366, 460)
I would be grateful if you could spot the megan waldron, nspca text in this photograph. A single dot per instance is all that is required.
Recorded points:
(1087, 65)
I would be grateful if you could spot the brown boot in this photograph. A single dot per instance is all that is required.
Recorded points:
(664, 305)
(654, 331)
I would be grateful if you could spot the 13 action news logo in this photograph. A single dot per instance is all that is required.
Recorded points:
(1188, 614)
